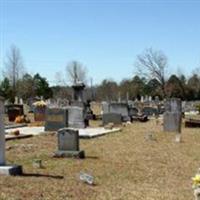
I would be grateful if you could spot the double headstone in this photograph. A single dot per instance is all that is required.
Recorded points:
(120, 108)
(68, 143)
(115, 112)
(173, 115)
(5, 169)
(71, 116)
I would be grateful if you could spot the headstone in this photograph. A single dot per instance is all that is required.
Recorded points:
(149, 111)
(16, 100)
(114, 118)
(5, 169)
(133, 111)
(119, 97)
(173, 115)
(120, 108)
(105, 107)
(157, 100)
(68, 143)
(39, 111)
(2, 135)
(142, 99)
(76, 117)
(192, 123)
(127, 96)
(56, 118)
(21, 101)
(146, 99)
(13, 111)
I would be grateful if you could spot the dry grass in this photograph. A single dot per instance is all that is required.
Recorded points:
(125, 166)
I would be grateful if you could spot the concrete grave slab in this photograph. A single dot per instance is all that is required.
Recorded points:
(83, 133)
(96, 132)
(34, 130)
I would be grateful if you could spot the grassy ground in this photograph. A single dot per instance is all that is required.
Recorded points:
(125, 166)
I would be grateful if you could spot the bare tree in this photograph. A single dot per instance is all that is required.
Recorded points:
(76, 72)
(59, 79)
(14, 66)
(153, 64)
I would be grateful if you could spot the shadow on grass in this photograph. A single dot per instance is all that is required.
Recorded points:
(42, 175)
(92, 157)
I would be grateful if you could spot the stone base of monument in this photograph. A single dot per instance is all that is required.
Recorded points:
(70, 154)
(13, 170)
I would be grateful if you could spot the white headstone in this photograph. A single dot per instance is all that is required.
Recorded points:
(2, 134)
(21, 101)
(142, 99)
(16, 100)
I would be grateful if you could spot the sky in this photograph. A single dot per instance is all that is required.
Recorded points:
(104, 35)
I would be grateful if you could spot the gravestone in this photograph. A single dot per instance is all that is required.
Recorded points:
(192, 123)
(114, 118)
(76, 117)
(68, 143)
(157, 100)
(149, 111)
(16, 100)
(39, 111)
(105, 107)
(56, 118)
(13, 111)
(21, 101)
(120, 108)
(5, 169)
(133, 111)
(173, 115)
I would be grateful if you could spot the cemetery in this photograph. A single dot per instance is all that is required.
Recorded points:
(121, 149)
(134, 155)
(104, 104)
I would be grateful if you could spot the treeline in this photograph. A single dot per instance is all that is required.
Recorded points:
(175, 86)
(26, 88)
(151, 65)
(37, 86)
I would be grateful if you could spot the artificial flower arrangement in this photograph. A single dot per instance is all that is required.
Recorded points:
(196, 181)
(39, 104)
(196, 185)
